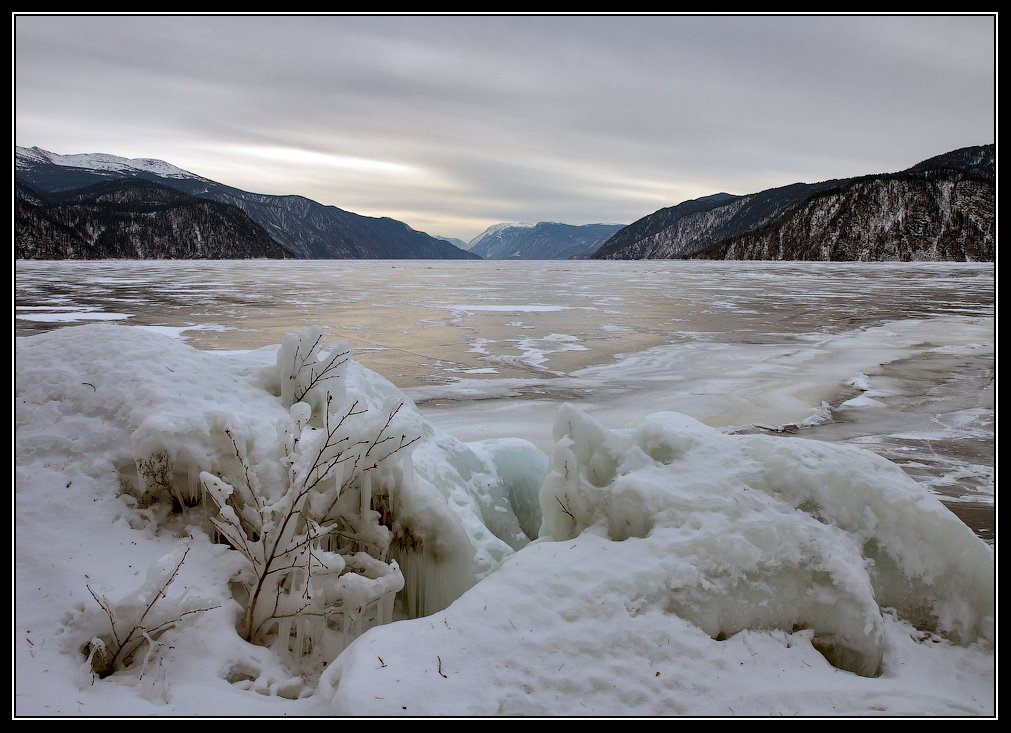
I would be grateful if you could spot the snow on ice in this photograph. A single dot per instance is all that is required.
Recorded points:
(665, 568)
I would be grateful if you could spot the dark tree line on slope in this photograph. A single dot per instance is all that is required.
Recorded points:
(134, 219)
(933, 215)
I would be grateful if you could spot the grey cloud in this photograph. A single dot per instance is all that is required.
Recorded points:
(566, 118)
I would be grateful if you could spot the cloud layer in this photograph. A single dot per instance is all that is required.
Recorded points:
(454, 123)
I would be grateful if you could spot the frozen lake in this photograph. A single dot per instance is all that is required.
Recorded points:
(898, 358)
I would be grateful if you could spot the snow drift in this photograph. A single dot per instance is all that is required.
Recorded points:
(755, 532)
(174, 446)
(682, 571)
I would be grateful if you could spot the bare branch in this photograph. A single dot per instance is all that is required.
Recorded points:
(104, 604)
(105, 660)
(166, 625)
(140, 623)
(566, 509)
(332, 365)
(382, 430)
(288, 559)
(399, 448)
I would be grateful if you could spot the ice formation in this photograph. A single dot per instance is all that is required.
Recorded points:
(684, 571)
(328, 481)
(758, 532)
(679, 570)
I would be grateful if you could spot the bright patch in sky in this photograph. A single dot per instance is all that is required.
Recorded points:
(298, 156)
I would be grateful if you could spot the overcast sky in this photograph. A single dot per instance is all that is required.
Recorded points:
(455, 123)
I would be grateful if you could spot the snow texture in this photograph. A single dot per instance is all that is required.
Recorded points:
(679, 570)
(685, 572)
(114, 427)
(763, 532)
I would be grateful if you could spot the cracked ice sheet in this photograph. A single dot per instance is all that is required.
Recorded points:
(722, 384)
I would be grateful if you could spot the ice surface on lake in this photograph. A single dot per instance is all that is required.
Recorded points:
(737, 345)
(519, 308)
(71, 316)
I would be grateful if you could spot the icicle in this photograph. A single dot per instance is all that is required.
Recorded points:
(193, 483)
(282, 642)
(386, 608)
(365, 494)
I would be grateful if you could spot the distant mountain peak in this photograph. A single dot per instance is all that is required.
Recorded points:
(455, 241)
(545, 240)
(496, 228)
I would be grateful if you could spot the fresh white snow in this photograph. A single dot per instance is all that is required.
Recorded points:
(115, 426)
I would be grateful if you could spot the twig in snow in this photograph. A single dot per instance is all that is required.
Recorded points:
(107, 658)
(566, 509)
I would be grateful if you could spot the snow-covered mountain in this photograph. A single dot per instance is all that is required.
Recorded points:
(28, 158)
(304, 227)
(132, 218)
(546, 240)
(940, 209)
(495, 229)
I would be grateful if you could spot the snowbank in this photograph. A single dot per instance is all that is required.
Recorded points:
(678, 571)
(746, 532)
(551, 634)
(114, 428)
(684, 571)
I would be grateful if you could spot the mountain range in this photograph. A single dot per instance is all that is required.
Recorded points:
(941, 209)
(546, 240)
(98, 205)
(302, 227)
